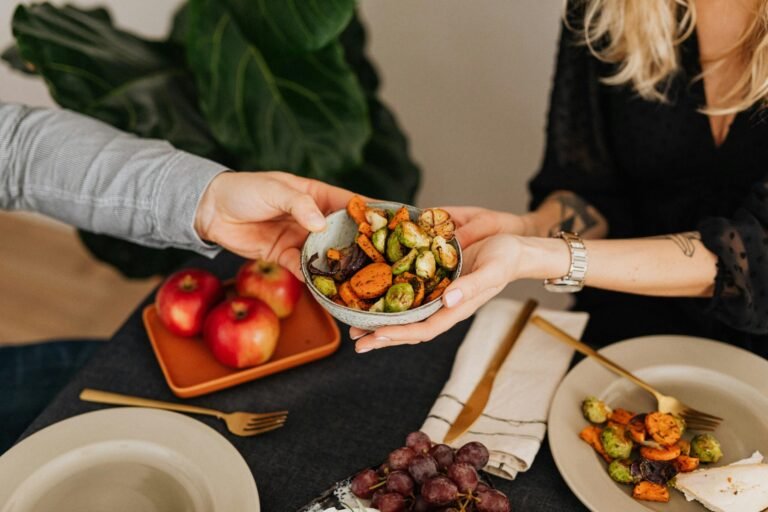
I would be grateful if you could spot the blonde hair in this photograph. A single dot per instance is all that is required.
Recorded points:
(643, 36)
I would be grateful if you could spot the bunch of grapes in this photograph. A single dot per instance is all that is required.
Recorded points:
(424, 476)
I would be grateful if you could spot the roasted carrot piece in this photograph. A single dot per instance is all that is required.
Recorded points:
(686, 464)
(650, 491)
(636, 428)
(418, 288)
(591, 435)
(350, 298)
(367, 246)
(356, 209)
(405, 277)
(621, 416)
(338, 300)
(667, 453)
(372, 280)
(439, 289)
(365, 229)
(333, 254)
(685, 447)
(663, 428)
(400, 215)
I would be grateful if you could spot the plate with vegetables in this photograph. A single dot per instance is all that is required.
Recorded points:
(382, 263)
(617, 452)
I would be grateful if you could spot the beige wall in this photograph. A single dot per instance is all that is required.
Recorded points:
(468, 79)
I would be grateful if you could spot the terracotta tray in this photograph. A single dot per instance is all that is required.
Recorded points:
(190, 369)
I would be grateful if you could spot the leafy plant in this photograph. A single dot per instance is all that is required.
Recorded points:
(254, 85)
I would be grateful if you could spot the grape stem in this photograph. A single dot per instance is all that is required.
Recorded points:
(376, 486)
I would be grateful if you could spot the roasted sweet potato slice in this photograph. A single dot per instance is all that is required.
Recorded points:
(591, 435)
(365, 229)
(636, 428)
(367, 246)
(372, 280)
(663, 428)
(667, 453)
(685, 447)
(400, 215)
(356, 209)
(649, 491)
(419, 290)
(350, 298)
(686, 464)
(621, 416)
(439, 289)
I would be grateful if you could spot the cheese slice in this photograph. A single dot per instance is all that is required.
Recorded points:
(738, 487)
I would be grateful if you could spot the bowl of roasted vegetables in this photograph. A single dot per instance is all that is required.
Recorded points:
(382, 263)
(645, 450)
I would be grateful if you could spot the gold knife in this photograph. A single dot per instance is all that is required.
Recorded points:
(479, 398)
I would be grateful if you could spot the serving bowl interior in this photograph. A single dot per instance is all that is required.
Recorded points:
(340, 232)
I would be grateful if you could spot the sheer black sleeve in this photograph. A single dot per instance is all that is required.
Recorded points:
(741, 244)
(576, 156)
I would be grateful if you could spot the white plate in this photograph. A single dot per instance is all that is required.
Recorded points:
(711, 376)
(126, 460)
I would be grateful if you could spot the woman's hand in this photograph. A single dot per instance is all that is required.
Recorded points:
(489, 265)
(265, 214)
(475, 224)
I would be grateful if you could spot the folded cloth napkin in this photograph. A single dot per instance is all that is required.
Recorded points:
(514, 421)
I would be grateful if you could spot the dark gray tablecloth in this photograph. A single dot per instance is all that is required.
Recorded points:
(347, 411)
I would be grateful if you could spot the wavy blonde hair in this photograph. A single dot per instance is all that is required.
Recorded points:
(643, 36)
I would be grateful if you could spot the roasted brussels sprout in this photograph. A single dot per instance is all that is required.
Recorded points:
(425, 265)
(445, 254)
(376, 217)
(615, 442)
(404, 263)
(619, 471)
(706, 448)
(377, 307)
(437, 222)
(412, 236)
(379, 239)
(431, 284)
(595, 410)
(399, 297)
(325, 285)
(394, 249)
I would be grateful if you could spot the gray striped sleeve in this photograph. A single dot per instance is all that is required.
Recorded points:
(88, 174)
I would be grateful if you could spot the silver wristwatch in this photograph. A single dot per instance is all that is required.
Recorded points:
(573, 281)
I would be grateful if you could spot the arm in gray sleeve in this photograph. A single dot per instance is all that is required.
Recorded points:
(88, 174)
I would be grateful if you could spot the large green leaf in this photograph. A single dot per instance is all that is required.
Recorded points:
(387, 171)
(302, 113)
(291, 26)
(93, 68)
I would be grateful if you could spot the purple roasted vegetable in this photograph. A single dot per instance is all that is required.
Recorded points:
(656, 471)
(353, 258)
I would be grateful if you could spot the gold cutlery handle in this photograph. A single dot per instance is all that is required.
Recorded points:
(106, 397)
(589, 351)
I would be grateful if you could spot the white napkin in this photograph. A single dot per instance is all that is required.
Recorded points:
(513, 423)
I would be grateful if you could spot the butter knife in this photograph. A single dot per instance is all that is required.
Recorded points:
(477, 401)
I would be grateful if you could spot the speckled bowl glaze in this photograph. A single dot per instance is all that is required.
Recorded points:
(340, 232)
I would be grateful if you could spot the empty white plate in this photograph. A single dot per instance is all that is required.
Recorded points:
(126, 460)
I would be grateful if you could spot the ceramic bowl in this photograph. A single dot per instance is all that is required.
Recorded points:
(340, 232)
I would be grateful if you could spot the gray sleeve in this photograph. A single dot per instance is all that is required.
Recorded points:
(88, 174)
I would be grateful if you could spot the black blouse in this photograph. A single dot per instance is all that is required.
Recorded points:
(653, 168)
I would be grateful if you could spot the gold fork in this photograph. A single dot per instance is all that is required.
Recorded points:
(239, 423)
(695, 420)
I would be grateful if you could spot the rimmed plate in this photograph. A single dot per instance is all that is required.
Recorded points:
(126, 460)
(707, 375)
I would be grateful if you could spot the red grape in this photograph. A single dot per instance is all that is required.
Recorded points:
(362, 483)
(482, 486)
(401, 482)
(383, 469)
(400, 458)
(439, 490)
(474, 453)
(491, 500)
(419, 505)
(464, 476)
(376, 495)
(422, 466)
(419, 441)
(391, 502)
(443, 454)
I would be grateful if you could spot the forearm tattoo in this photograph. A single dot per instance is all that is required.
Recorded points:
(685, 241)
(574, 215)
